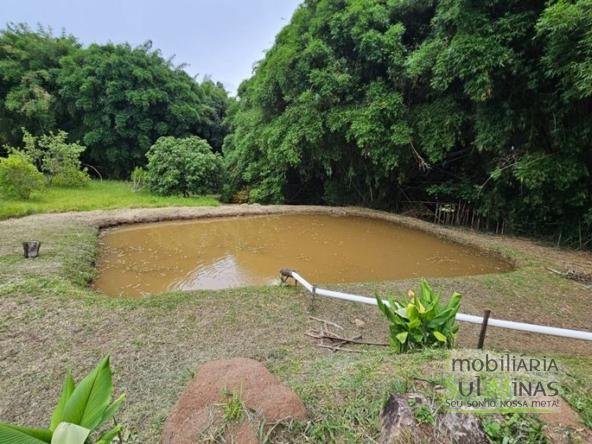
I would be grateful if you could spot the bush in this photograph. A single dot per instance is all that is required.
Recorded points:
(422, 321)
(58, 159)
(19, 177)
(139, 177)
(70, 178)
(183, 166)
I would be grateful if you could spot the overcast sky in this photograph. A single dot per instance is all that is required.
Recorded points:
(219, 38)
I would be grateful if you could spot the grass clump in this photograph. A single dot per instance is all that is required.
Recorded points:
(233, 407)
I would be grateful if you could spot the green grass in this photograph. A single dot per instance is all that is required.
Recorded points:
(98, 195)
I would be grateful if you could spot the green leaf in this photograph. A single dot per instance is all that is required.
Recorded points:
(10, 434)
(420, 308)
(87, 404)
(108, 436)
(67, 433)
(426, 291)
(383, 307)
(113, 408)
(402, 337)
(67, 390)
(439, 336)
(454, 302)
(412, 313)
(402, 312)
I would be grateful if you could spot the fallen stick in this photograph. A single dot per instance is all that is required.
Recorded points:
(326, 322)
(330, 347)
(355, 340)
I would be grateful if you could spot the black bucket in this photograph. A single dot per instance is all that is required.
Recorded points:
(31, 248)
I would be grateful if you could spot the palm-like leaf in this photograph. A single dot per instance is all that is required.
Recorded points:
(67, 390)
(10, 434)
(66, 433)
(108, 436)
(113, 408)
(87, 404)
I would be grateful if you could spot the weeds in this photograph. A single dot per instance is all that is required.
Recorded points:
(233, 408)
(514, 429)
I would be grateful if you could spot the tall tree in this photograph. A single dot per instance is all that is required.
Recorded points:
(29, 67)
(376, 102)
(121, 99)
(116, 99)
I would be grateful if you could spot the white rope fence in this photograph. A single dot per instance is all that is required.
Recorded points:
(521, 326)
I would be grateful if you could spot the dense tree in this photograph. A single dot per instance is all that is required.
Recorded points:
(29, 67)
(116, 99)
(121, 99)
(378, 102)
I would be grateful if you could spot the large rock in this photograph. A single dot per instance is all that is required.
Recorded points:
(398, 424)
(199, 409)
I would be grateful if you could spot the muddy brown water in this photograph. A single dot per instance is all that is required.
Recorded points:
(239, 251)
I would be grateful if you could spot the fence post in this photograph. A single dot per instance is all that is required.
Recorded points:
(312, 298)
(486, 314)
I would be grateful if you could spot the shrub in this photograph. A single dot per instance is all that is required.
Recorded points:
(70, 178)
(81, 409)
(139, 177)
(58, 159)
(183, 166)
(422, 321)
(19, 177)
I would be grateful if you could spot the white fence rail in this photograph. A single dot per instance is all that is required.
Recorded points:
(521, 326)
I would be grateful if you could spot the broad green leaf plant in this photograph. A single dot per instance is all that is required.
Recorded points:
(422, 321)
(81, 409)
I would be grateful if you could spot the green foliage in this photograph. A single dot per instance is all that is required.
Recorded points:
(421, 322)
(233, 407)
(19, 177)
(564, 29)
(514, 429)
(58, 159)
(29, 67)
(377, 102)
(423, 413)
(183, 167)
(139, 177)
(147, 97)
(116, 99)
(81, 409)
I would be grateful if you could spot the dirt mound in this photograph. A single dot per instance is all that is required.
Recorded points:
(233, 398)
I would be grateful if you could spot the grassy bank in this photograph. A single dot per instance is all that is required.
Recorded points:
(51, 320)
(103, 195)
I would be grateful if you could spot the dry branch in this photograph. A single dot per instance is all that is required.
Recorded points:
(334, 348)
(324, 321)
(336, 341)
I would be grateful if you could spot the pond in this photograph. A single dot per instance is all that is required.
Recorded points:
(230, 252)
